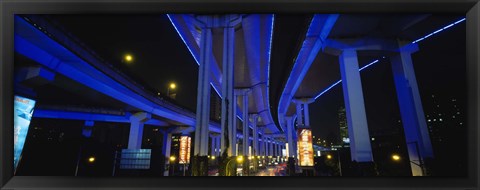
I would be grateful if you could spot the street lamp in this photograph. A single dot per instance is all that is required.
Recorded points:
(128, 58)
(91, 159)
(172, 86)
(240, 159)
(396, 157)
(172, 160)
(329, 157)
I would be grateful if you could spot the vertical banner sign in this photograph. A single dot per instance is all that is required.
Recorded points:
(305, 147)
(185, 142)
(23, 111)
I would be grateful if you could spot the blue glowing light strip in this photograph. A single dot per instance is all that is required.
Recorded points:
(191, 51)
(370, 64)
(268, 67)
(185, 42)
(439, 30)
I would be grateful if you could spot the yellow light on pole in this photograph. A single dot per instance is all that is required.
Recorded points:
(172, 158)
(240, 159)
(213, 157)
(396, 157)
(128, 58)
(173, 85)
(329, 156)
(91, 159)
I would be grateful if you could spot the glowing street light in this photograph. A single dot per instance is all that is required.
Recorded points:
(172, 86)
(172, 158)
(396, 157)
(329, 156)
(213, 157)
(91, 159)
(128, 58)
(240, 159)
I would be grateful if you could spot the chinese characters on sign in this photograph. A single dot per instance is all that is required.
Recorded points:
(185, 142)
(305, 147)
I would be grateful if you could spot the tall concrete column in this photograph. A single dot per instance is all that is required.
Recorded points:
(303, 115)
(255, 151)
(277, 147)
(218, 145)
(361, 150)
(290, 139)
(136, 129)
(203, 92)
(166, 148)
(299, 114)
(413, 119)
(270, 147)
(229, 101)
(213, 144)
(264, 142)
(245, 124)
(306, 114)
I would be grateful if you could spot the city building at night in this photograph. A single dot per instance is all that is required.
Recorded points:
(253, 95)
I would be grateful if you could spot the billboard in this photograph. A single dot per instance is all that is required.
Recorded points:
(305, 147)
(185, 142)
(138, 159)
(23, 111)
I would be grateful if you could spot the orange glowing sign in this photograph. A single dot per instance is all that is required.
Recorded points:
(185, 142)
(305, 147)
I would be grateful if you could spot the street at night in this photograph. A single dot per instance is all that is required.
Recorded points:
(313, 95)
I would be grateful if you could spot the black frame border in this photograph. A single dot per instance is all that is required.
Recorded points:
(10, 7)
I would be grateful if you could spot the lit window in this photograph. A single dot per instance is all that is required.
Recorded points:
(458, 113)
(440, 119)
(453, 116)
(434, 119)
(429, 120)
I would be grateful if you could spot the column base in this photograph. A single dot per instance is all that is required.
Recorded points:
(291, 166)
(200, 166)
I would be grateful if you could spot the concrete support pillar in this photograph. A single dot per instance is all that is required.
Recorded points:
(136, 129)
(270, 147)
(213, 144)
(361, 150)
(203, 92)
(255, 150)
(290, 139)
(299, 114)
(264, 142)
(229, 101)
(277, 148)
(413, 118)
(245, 124)
(303, 115)
(218, 146)
(306, 115)
(88, 129)
(166, 148)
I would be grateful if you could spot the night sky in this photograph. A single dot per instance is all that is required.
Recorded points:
(160, 57)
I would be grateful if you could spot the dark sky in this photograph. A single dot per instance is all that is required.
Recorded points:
(440, 68)
(161, 57)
